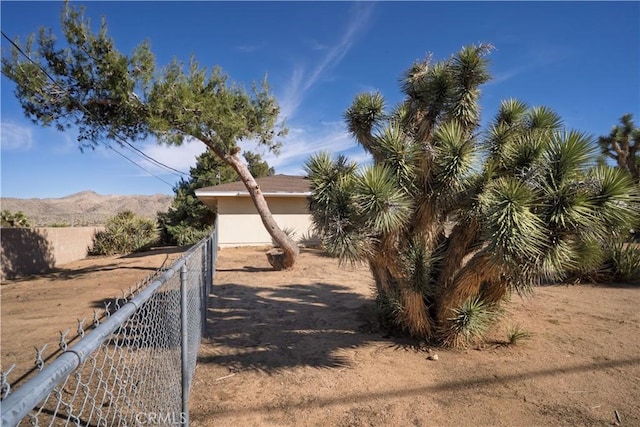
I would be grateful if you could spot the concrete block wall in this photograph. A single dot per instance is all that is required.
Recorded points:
(27, 251)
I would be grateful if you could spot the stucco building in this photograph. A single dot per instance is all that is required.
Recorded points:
(238, 221)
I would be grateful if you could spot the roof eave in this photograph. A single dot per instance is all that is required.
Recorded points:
(246, 194)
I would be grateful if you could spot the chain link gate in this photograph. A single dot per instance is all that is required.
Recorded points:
(136, 366)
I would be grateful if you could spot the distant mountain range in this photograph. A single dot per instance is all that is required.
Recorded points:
(86, 208)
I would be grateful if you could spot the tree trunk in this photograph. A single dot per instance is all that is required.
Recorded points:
(467, 283)
(279, 261)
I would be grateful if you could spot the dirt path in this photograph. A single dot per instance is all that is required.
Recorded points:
(296, 349)
(36, 309)
(288, 349)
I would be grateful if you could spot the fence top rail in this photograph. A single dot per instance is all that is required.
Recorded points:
(18, 404)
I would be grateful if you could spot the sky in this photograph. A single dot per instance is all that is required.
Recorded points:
(582, 59)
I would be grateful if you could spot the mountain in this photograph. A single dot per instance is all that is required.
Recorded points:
(84, 208)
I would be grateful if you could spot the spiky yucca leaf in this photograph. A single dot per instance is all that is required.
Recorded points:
(413, 77)
(470, 65)
(506, 125)
(343, 239)
(615, 198)
(625, 262)
(511, 112)
(325, 174)
(380, 200)
(568, 155)
(470, 322)
(455, 154)
(398, 153)
(389, 309)
(542, 118)
(434, 88)
(521, 153)
(567, 208)
(331, 185)
(514, 230)
(590, 255)
(363, 116)
(469, 69)
(559, 258)
(418, 263)
(515, 334)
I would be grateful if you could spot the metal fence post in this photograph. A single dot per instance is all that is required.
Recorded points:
(184, 354)
(205, 284)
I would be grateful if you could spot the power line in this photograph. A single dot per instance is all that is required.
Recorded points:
(124, 143)
(141, 167)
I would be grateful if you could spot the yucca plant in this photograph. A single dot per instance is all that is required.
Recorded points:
(626, 263)
(124, 233)
(470, 322)
(451, 219)
(515, 334)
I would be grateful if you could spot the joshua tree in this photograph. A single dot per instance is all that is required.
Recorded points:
(622, 145)
(450, 220)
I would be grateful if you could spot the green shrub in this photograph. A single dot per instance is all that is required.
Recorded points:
(185, 234)
(18, 219)
(124, 233)
(624, 263)
(515, 334)
(617, 262)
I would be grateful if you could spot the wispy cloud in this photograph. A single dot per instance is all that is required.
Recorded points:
(249, 48)
(300, 144)
(533, 59)
(15, 136)
(315, 44)
(303, 80)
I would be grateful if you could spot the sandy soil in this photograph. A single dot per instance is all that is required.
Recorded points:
(299, 348)
(36, 309)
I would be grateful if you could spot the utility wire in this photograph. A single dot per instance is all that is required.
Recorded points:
(121, 140)
(138, 165)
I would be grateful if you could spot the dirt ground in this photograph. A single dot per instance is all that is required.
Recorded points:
(35, 310)
(297, 348)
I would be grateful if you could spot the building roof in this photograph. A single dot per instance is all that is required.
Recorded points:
(274, 185)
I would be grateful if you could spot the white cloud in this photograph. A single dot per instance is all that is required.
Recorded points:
(15, 136)
(299, 145)
(533, 59)
(249, 48)
(302, 80)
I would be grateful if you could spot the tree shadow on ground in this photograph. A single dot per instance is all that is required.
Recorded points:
(168, 250)
(419, 392)
(269, 328)
(67, 273)
(246, 269)
(61, 273)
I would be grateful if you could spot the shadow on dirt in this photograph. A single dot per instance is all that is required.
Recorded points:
(246, 269)
(419, 392)
(168, 250)
(43, 261)
(268, 328)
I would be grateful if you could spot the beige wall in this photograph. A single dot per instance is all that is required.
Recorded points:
(37, 250)
(239, 223)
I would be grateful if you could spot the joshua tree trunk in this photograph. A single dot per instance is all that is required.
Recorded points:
(280, 261)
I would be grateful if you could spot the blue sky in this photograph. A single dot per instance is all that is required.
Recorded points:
(580, 58)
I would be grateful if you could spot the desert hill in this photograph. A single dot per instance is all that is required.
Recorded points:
(84, 208)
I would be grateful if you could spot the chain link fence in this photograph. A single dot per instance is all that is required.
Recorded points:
(135, 366)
